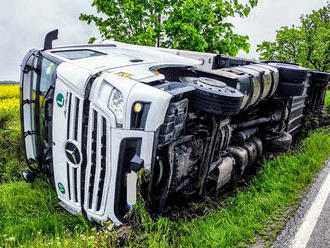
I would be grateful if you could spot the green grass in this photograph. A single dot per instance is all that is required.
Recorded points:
(11, 156)
(31, 217)
(327, 99)
(30, 212)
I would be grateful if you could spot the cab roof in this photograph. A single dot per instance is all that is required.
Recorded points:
(101, 57)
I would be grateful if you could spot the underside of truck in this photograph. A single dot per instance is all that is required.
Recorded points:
(193, 123)
(221, 122)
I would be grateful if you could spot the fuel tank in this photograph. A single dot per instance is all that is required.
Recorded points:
(256, 81)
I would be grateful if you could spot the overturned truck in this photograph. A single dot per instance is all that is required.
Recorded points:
(94, 116)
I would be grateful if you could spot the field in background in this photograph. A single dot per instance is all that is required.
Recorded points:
(10, 148)
(31, 217)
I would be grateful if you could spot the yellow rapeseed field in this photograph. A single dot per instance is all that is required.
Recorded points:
(10, 105)
(9, 91)
(9, 101)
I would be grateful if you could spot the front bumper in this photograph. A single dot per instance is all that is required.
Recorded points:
(125, 144)
(105, 186)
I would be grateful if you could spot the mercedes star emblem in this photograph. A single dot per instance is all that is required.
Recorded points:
(72, 153)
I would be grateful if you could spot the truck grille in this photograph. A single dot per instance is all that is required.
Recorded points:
(95, 176)
(98, 154)
(73, 127)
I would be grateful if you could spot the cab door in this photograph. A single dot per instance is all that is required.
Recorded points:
(37, 89)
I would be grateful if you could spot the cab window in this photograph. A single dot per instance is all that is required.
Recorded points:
(47, 71)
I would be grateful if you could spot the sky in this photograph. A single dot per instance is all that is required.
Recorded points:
(24, 24)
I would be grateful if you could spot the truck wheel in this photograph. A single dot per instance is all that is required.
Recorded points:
(290, 73)
(213, 96)
(289, 89)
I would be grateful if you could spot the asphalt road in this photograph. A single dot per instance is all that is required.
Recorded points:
(310, 225)
(321, 233)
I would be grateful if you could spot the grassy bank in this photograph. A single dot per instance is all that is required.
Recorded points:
(31, 217)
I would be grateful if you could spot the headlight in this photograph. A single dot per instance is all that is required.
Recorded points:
(116, 105)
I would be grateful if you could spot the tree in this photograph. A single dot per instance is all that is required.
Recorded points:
(198, 25)
(307, 44)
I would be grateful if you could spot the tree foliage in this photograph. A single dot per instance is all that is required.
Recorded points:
(307, 44)
(199, 25)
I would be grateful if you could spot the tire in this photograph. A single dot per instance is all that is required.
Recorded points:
(279, 143)
(290, 73)
(213, 96)
(290, 89)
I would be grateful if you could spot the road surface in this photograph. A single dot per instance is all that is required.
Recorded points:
(310, 225)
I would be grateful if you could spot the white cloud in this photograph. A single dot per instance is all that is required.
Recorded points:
(24, 24)
(270, 16)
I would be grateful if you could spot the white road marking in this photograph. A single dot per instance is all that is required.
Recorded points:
(306, 229)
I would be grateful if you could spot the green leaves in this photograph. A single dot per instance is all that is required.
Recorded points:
(307, 45)
(197, 25)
